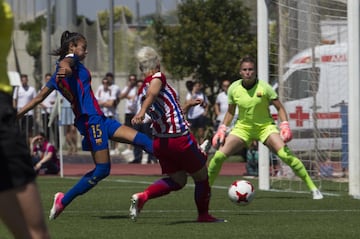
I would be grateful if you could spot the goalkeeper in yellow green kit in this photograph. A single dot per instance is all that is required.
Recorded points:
(253, 98)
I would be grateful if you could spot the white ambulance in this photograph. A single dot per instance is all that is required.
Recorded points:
(315, 92)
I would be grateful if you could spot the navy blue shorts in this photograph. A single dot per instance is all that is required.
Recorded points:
(96, 131)
(15, 161)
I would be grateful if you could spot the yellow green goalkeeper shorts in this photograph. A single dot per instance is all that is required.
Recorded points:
(249, 133)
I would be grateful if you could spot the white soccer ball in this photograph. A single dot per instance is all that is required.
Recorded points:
(241, 192)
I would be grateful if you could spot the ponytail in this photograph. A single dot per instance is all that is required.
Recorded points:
(67, 38)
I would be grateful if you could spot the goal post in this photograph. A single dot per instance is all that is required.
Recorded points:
(309, 52)
(353, 7)
(263, 74)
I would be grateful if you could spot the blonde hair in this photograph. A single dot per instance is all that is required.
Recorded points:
(148, 59)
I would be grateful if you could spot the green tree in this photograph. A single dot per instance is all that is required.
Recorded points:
(208, 42)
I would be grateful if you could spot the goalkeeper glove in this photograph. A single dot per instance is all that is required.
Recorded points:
(219, 137)
(285, 132)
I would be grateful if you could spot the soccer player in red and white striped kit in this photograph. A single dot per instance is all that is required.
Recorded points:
(176, 148)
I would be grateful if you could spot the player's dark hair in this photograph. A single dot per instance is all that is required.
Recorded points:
(67, 38)
(109, 74)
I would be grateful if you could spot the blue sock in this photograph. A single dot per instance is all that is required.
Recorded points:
(144, 141)
(87, 182)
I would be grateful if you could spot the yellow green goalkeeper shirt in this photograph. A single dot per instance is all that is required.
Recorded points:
(253, 104)
(6, 20)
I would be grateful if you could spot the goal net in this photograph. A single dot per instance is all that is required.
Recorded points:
(309, 70)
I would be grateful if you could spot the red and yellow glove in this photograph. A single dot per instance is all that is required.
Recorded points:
(285, 132)
(219, 137)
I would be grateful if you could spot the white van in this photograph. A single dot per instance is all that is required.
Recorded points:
(315, 90)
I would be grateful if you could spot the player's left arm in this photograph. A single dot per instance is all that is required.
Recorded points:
(281, 110)
(285, 132)
(45, 91)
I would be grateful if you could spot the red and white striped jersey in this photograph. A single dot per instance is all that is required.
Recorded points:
(166, 113)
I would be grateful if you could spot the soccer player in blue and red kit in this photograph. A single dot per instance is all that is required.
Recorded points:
(73, 80)
(176, 148)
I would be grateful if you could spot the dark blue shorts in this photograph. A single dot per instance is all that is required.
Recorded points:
(15, 161)
(96, 131)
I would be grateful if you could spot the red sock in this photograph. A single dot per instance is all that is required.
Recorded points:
(161, 187)
(202, 196)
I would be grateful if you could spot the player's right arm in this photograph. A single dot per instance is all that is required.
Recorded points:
(45, 91)
(229, 115)
(219, 137)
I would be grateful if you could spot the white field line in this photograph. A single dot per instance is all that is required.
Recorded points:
(213, 187)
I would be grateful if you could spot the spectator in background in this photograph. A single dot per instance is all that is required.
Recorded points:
(44, 155)
(23, 95)
(221, 103)
(143, 128)
(116, 94)
(107, 101)
(46, 108)
(129, 94)
(189, 85)
(198, 115)
(275, 167)
(71, 137)
(67, 120)
(20, 202)
(252, 159)
(114, 89)
(326, 169)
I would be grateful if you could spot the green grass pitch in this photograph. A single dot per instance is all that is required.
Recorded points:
(103, 213)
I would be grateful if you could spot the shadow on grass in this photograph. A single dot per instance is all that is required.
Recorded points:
(181, 222)
(114, 217)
